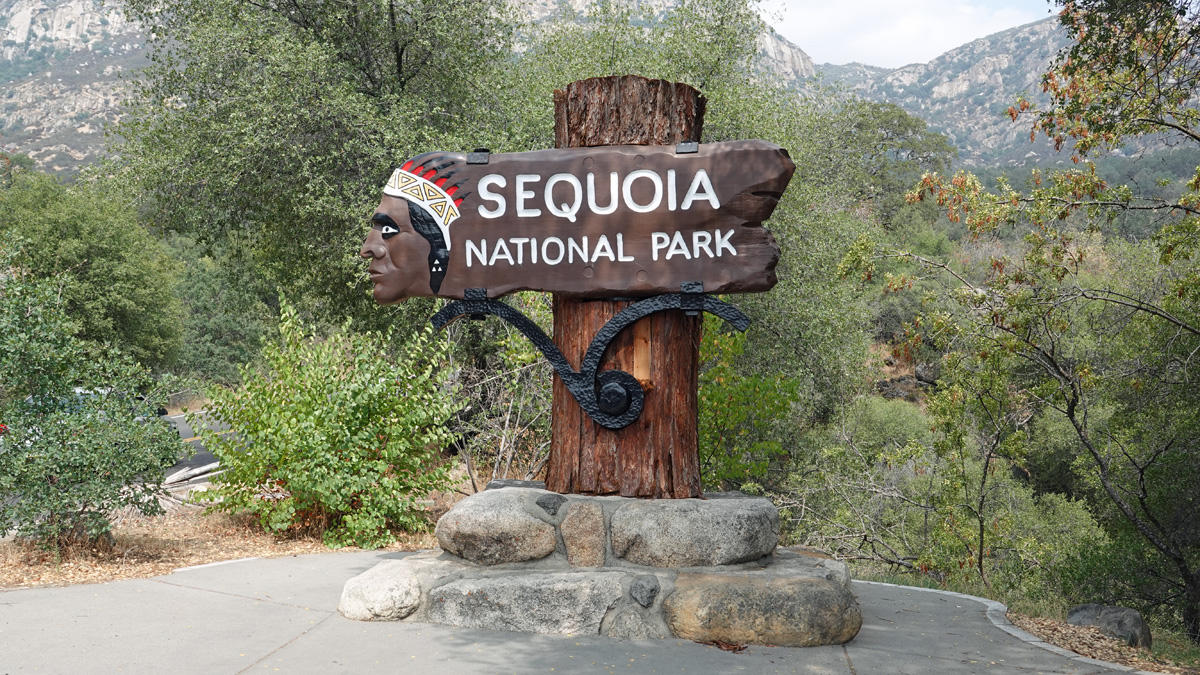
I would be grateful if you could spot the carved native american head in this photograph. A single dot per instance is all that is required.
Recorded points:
(420, 202)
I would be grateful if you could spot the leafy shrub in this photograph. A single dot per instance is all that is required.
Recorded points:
(80, 444)
(740, 415)
(72, 459)
(338, 434)
(876, 488)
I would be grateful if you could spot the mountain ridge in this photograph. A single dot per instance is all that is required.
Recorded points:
(63, 62)
(965, 93)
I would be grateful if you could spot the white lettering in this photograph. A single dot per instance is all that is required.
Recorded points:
(621, 250)
(603, 248)
(723, 242)
(486, 194)
(658, 241)
(701, 240)
(670, 189)
(612, 194)
(519, 243)
(524, 179)
(562, 250)
(496, 253)
(572, 247)
(678, 246)
(627, 190)
(564, 211)
(533, 251)
(709, 194)
(480, 251)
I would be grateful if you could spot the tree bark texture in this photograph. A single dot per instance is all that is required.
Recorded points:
(658, 455)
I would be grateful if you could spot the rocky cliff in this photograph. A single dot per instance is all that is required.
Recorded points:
(966, 92)
(60, 68)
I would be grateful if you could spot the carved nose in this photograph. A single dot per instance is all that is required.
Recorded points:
(373, 247)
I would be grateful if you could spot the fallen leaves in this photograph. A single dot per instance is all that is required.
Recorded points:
(1090, 642)
(734, 647)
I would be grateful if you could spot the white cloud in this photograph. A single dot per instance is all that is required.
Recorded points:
(893, 33)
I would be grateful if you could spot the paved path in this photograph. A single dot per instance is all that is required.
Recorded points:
(200, 456)
(279, 615)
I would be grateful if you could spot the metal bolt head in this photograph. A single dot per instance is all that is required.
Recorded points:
(612, 398)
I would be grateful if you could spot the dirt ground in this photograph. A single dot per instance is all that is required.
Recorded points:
(151, 546)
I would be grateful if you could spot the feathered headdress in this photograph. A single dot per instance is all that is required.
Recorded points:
(422, 181)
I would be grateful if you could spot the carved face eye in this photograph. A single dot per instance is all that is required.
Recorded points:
(388, 231)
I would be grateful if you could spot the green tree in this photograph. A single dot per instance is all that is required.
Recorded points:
(1103, 330)
(743, 418)
(889, 483)
(275, 124)
(890, 149)
(226, 311)
(82, 439)
(122, 280)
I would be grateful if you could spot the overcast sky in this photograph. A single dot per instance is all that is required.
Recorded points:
(893, 33)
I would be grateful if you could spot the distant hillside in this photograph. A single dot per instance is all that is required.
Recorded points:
(60, 69)
(966, 92)
(61, 63)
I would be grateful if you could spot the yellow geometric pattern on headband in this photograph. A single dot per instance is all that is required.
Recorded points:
(416, 189)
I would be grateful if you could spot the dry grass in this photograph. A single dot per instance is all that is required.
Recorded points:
(184, 401)
(881, 353)
(151, 546)
(1090, 642)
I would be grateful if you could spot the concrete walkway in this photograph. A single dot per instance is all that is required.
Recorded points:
(279, 615)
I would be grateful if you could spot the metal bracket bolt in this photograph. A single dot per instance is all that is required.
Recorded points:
(613, 398)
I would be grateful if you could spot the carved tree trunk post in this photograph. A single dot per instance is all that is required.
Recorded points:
(658, 455)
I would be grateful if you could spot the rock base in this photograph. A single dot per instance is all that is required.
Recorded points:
(535, 561)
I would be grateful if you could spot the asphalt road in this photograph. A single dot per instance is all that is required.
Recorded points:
(200, 456)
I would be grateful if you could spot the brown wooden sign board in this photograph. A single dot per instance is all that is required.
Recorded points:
(626, 220)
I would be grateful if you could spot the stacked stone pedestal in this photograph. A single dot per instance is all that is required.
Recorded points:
(526, 559)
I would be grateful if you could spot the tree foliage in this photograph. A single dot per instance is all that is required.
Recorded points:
(1102, 333)
(121, 278)
(887, 482)
(743, 418)
(227, 311)
(82, 440)
(274, 124)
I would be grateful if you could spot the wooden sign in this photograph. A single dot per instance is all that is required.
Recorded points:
(627, 220)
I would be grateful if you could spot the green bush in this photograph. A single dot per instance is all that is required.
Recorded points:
(741, 416)
(81, 443)
(337, 434)
(71, 459)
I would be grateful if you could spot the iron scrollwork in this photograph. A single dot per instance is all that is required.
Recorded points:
(613, 398)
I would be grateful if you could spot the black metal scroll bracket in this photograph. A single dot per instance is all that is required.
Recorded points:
(613, 398)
